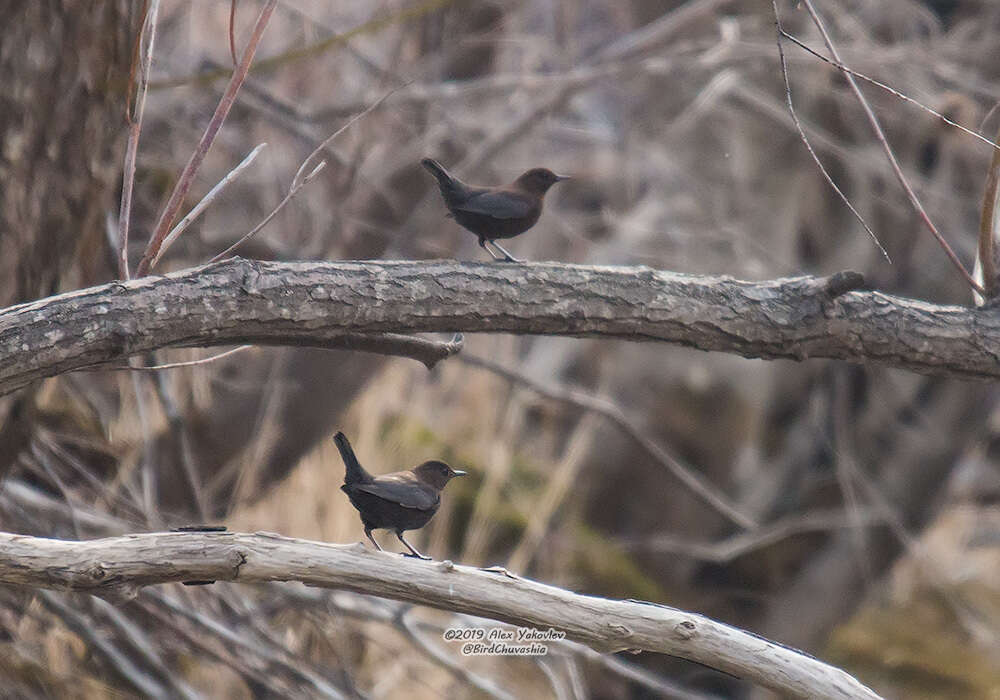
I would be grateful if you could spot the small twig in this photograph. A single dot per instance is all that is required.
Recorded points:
(423, 350)
(221, 111)
(350, 122)
(189, 363)
(685, 474)
(985, 269)
(232, 31)
(892, 91)
(880, 137)
(301, 179)
(201, 206)
(805, 139)
(139, 82)
(988, 115)
(274, 212)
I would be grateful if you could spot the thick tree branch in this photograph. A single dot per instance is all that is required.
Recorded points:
(117, 566)
(239, 301)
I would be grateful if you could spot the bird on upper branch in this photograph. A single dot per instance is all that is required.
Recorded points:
(400, 501)
(495, 212)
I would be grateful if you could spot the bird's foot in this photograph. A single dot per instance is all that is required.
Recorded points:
(416, 555)
(507, 257)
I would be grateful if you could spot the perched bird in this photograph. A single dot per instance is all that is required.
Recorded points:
(495, 212)
(400, 501)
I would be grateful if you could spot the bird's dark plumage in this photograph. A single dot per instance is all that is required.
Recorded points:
(495, 212)
(401, 501)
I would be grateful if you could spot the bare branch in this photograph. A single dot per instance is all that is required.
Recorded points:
(345, 304)
(123, 565)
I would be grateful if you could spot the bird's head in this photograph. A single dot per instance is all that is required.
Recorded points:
(538, 180)
(436, 473)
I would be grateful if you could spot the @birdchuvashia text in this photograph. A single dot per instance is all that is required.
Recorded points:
(502, 641)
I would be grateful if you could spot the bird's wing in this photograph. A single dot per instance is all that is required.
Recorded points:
(407, 492)
(499, 205)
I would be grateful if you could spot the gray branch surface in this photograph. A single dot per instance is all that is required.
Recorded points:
(335, 304)
(118, 566)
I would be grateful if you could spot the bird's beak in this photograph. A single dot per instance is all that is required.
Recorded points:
(458, 472)
(560, 178)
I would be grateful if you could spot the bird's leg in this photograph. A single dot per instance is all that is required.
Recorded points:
(482, 244)
(413, 552)
(507, 256)
(368, 533)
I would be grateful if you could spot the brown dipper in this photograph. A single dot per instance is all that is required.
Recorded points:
(495, 212)
(400, 501)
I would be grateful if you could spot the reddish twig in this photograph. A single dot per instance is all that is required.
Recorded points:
(221, 111)
(232, 31)
(880, 136)
(136, 102)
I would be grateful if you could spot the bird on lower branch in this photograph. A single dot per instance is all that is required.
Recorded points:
(401, 501)
(495, 212)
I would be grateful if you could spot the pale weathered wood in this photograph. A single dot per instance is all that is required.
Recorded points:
(117, 566)
(239, 301)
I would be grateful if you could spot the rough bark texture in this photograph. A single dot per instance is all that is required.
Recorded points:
(240, 301)
(120, 565)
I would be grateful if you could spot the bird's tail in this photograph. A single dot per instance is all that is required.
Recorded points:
(355, 473)
(450, 186)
